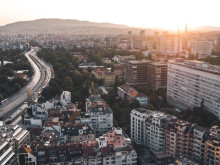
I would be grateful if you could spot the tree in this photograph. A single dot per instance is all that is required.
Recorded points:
(67, 83)
(92, 87)
(149, 106)
(17, 86)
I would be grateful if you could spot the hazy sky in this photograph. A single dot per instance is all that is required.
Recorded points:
(140, 13)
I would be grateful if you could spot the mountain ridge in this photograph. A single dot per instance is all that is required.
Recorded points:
(59, 25)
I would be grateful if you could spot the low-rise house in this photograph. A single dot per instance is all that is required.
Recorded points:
(126, 92)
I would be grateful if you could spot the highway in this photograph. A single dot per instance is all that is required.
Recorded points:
(40, 79)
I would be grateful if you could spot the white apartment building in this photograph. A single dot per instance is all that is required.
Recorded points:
(192, 84)
(38, 115)
(65, 98)
(101, 116)
(138, 125)
(156, 126)
(202, 48)
(101, 119)
(148, 128)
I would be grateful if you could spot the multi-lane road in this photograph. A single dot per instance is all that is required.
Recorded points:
(40, 79)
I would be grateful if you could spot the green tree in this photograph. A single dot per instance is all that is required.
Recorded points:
(67, 83)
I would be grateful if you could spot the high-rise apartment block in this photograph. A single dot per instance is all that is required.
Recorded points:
(136, 72)
(157, 75)
(185, 139)
(145, 72)
(201, 48)
(148, 128)
(193, 84)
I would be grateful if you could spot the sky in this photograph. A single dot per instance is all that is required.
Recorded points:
(169, 14)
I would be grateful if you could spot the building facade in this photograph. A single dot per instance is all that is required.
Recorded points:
(157, 75)
(212, 147)
(194, 84)
(65, 98)
(136, 72)
(201, 48)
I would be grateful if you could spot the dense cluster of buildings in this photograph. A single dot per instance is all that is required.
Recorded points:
(169, 138)
(189, 83)
(57, 132)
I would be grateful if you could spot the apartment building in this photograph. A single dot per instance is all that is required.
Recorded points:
(75, 133)
(169, 44)
(138, 125)
(212, 147)
(7, 154)
(128, 93)
(145, 72)
(37, 115)
(201, 48)
(100, 114)
(192, 84)
(136, 72)
(26, 156)
(197, 143)
(156, 126)
(177, 138)
(148, 128)
(11, 139)
(157, 75)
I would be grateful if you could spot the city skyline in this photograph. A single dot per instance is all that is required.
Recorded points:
(146, 14)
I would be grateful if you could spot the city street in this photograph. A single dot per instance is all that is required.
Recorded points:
(40, 78)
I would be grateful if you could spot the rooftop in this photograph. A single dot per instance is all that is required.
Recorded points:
(198, 65)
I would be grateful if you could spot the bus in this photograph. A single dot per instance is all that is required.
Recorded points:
(4, 101)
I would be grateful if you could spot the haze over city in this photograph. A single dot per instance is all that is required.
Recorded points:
(169, 14)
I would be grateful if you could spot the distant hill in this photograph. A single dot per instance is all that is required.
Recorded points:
(64, 26)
